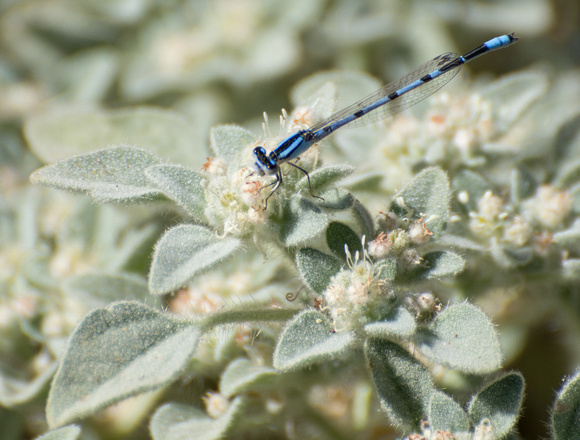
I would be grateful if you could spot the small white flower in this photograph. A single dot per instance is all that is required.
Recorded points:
(380, 247)
(488, 217)
(550, 207)
(410, 258)
(214, 167)
(400, 240)
(464, 140)
(195, 301)
(463, 197)
(216, 404)
(489, 206)
(517, 232)
(388, 221)
(426, 302)
(418, 232)
(303, 117)
(484, 431)
(274, 406)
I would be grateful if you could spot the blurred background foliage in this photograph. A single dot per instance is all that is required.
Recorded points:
(214, 61)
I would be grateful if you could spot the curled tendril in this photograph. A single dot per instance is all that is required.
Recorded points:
(291, 296)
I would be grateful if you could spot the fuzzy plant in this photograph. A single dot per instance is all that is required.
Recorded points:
(352, 289)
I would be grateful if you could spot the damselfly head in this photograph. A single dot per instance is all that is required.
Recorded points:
(264, 164)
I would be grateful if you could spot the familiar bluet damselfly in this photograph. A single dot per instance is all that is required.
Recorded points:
(390, 99)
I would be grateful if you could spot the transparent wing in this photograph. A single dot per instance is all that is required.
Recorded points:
(401, 103)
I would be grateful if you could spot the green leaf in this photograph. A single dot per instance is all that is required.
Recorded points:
(570, 238)
(13, 423)
(441, 264)
(88, 76)
(86, 223)
(508, 258)
(338, 235)
(522, 184)
(316, 268)
(304, 220)
(309, 339)
(228, 141)
(571, 269)
(403, 384)
(174, 421)
(458, 242)
(473, 184)
(324, 177)
(15, 391)
(181, 185)
(567, 174)
(399, 324)
(575, 194)
(364, 218)
(164, 133)
(567, 142)
(445, 414)
(463, 338)
(243, 315)
(386, 270)
(99, 289)
(426, 197)
(71, 432)
(345, 88)
(103, 232)
(131, 251)
(118, 352)
(320, 100)
(500, 403)
(361, 181)
(183, 252)
(363, 407)
(109, 176)
(511, 95)
(337, 199)
(565, 420)
(242, 375)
